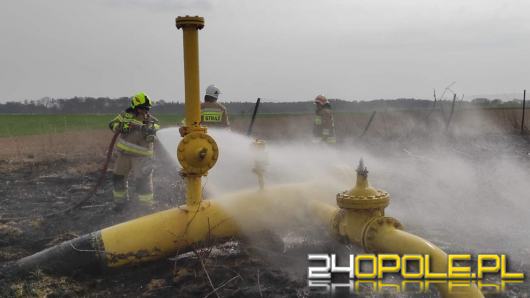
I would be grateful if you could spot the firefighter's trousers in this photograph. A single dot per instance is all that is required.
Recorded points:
(141, 169)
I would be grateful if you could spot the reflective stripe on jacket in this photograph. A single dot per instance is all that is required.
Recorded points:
(139, 135)
(212, 115)
(123, 118)
(133, 149)
(318, 120)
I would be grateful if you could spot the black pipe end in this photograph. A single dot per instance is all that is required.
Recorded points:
(84, 253)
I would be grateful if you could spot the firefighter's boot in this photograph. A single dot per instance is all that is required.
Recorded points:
(119, 193)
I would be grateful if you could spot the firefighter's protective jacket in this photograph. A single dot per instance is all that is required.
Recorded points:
(214, 114)
(324, 126)
(137, 134)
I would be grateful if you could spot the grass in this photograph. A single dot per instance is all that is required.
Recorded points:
(20, 125)
(23, 125)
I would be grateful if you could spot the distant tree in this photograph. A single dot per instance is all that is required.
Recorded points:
(105, 105)
(480, 101)
(496, 102)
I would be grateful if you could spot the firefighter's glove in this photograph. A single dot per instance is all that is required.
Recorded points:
(125, 128)
(183, 131)
(149, 132)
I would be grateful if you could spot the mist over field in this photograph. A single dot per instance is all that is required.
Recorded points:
(466, 191)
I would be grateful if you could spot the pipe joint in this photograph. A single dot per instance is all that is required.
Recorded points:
(375, 226)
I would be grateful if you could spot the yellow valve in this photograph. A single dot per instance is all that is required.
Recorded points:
(259, 144)
(361, 220)
(363, 196)
(197, 152)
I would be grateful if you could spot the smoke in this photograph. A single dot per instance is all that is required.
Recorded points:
(466, 192)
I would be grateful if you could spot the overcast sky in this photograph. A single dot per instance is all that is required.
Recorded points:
(274, 49)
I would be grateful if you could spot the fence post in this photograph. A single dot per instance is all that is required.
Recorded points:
(448, 121)
(256, 106)
(524, 107)
(368, 124)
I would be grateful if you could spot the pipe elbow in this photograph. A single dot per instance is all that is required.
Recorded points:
(385, 235)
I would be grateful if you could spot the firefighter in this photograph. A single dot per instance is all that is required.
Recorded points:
(213, 114)
(137, 130)
(324, 126)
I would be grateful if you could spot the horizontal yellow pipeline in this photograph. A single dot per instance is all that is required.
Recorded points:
(178, 229)
(165, 233)
(391, 240)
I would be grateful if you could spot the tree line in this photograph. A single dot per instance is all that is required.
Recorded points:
(105, 105)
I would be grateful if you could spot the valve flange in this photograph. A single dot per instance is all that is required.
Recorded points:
(374, 226)
(195, 21)
(197, 153)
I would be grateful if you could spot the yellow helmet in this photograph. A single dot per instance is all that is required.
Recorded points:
(141, 100)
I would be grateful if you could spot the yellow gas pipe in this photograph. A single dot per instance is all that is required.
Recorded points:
(197, 151)
(190, 26)
(359, 219)
(178, 229)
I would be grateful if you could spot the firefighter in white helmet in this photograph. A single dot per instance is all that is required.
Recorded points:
(213, 114)
(137, 130)
(324, 126)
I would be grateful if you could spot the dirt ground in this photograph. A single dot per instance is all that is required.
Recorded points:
(49, 173)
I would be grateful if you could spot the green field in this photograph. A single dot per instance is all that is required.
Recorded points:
(19, 125)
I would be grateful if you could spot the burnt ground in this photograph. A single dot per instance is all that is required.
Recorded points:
(30, 188)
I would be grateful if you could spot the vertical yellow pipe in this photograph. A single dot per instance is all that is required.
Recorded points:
(193, 191)
(190, 27)
(191, 73)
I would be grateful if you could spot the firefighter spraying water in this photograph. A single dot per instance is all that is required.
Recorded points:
(137, 129)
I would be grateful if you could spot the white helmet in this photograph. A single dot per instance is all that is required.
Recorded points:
(213, 91)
